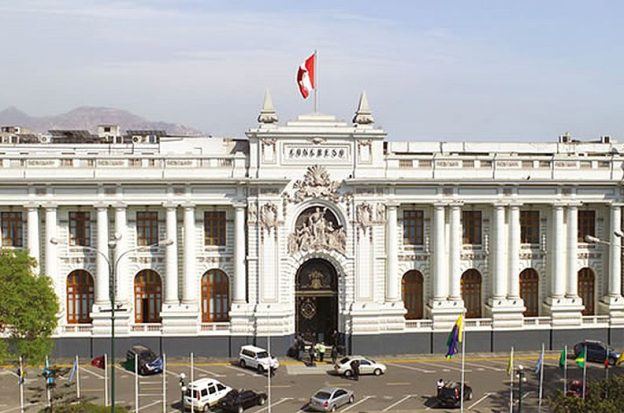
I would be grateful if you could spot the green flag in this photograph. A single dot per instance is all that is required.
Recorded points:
(562, 358)
(580, 360)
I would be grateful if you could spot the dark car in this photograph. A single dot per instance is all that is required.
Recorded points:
(238, 401)
(596, 351)
(148, 361)
(449, 395)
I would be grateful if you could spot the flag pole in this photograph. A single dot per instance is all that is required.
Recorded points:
(105, 379)
(192, 380)
(511, 380)
(136, 382)
(463, 335)
(21, 385)
(539, 405)
(565, 370)
(164, 383)
(47, 365)
(584, 370)
(315, 81)
(77, 377)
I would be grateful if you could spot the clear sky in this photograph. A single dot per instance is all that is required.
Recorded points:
(434, 70)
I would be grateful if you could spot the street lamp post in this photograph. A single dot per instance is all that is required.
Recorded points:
(182, 377)
(112, 274)
(521, 380)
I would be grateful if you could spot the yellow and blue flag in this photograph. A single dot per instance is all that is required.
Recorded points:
(455, 337)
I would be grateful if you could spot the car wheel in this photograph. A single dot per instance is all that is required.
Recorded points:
(261, 401)
(612, 362)
(333, 408)
(351, 399)
(348, 373)
(242, 363)
(240, 409)
(206, 408)
(260, 369)
(469, 395)
(377, 372)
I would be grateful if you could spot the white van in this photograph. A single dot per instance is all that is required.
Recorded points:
(256, 358)
(204, 394)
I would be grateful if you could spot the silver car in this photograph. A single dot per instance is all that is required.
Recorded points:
(329, 399)
(367, 366)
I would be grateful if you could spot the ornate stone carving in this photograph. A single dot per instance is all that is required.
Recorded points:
(381, 212)
(268, 216)
(252, 212)
(317, 233)
(316, 184)
(364, 215)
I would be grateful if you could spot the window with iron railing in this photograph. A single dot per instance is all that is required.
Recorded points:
(529, 227)
(413, 227)
(214, 228)
(12, 229)
(80, 228)
(471, 227)
(147, 228)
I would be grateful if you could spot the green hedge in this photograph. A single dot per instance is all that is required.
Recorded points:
(84, 407)
(600, 397)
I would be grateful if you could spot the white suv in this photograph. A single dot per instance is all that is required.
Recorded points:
(257, 358)
(204, 394)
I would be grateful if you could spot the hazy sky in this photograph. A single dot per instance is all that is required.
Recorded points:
(441, 70)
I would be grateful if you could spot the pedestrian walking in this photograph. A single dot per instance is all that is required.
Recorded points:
(312, 356)
(355, 366)
(334, 353)
(439, 386)
(335, 337)
(320, 349)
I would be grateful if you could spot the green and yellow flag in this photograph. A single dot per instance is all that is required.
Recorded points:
(620, 359)
(562, 358)
(510, 364)
(580, 359)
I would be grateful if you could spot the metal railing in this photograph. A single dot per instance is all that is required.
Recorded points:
(77, 328)
(221, 326)
(419, 324)
(146, 328)
(478, 323)
(595, 319)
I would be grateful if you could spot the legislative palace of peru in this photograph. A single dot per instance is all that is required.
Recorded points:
(317, 225)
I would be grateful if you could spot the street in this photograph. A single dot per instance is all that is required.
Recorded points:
(408, 385)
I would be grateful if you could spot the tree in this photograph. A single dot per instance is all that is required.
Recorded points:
(28, 308)
(595, 400)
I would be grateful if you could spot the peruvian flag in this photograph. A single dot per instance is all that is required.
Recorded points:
(305, 76)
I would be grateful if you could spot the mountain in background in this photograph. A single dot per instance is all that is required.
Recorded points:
(88, 118)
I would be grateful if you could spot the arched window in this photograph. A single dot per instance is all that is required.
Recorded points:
(215, 289)
(412, 291)
(471, 293)
(529, 292)
(79, 297)
(147, 297)
(586, 290)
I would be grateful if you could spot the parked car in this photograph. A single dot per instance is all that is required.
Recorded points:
(367, 366)
(596, 351)
(256, 358)
(239, 401)
(204, 394)
(98, 362)
(148, 361)
(575, 389)
(329, 399)
(450, 394)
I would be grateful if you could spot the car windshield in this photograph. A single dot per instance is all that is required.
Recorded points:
(323, 395)
(147, 356)
(263, 355)
(345, 360)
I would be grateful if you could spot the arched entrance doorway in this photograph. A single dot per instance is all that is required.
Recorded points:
(147, 297)
(412, 289)
(79, 297)
(529, 292)
(586, 290)
(471, 293)
(316, 300)
(215, 297)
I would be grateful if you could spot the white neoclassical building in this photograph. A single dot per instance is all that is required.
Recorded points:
(318, 225)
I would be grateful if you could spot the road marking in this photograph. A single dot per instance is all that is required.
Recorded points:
(399, 383)
(482, 366)
(485, 396)
(523, 396)
(411, 368)
(209, 372)
(18, 407)
(149, 394)
(126, 371)
(280, 386)
(398, 402)
(99, 376)
(443, 367)
(241, 370)
(358, 402)
(280, 401)
(147, 405)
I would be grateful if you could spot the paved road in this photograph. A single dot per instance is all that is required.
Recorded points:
(408, 385)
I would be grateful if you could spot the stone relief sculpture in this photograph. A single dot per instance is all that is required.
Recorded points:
(317, 233)
(381, 212)
(364, 215)
(268, 216)
(316, 184)
(252, 212)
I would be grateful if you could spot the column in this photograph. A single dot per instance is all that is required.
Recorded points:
(500, 274)
(615, 253)
(455, 252)
(572, 227)
(33, 236)
(121, 235)
(171, 254)
(514, 251)
(440, 287)
(392, 243)
(50, 249)
(190, 286)
(239, 255)
(102, 274)
(557, 251)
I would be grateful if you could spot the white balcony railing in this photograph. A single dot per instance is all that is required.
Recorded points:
(419, 324)
(223, 326)
(482, 323)
(77, 328)
(595, 320)
(537, 321)
(146, 328)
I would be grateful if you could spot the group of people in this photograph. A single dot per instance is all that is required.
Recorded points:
(315, 351)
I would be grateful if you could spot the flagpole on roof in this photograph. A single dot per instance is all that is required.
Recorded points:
(315, 80)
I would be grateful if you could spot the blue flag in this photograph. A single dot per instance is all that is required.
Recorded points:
(539, 364)
(74, 368)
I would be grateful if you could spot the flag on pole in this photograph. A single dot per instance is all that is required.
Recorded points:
(455, 337)
(580, 359)
(306, 76)
(540, 362)
(510, 363)
(20, 375)
(620, 359)
(563, 358)
(74, 368)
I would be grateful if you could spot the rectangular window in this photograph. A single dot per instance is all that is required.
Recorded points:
(80, 228)
(471, 227)
(529, 227)
(12, 229)
(147, 228)
(405, 163)
(214, 228)
(413, 227)
(586, 224)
